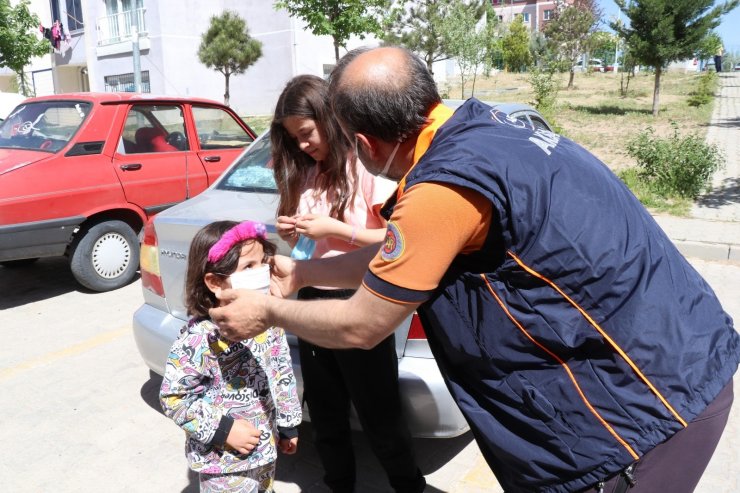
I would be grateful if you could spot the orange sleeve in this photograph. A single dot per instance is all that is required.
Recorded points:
(431, 224)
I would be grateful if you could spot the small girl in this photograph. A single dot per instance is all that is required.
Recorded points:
(236, 400)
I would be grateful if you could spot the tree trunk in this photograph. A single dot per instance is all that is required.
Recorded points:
(336, 50)
(656, 90)
(226, 93)
(570, 79)
(429, 61)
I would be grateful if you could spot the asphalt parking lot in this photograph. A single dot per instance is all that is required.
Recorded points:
(80, 409)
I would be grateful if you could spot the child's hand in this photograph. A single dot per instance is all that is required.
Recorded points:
(288, 446)
(317, 227)
(243, 436)
(285, 227)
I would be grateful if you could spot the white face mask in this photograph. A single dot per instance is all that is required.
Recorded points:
(382, 174)
(387, 166)
(257, 278)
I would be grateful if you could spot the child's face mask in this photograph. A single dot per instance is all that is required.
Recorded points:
(257, 278)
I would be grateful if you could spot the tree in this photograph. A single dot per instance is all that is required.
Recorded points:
(228, 48)
(710, 45)
(516, 46)
(664, 31)
(420, 28)
(569, 31)
(339, 19)
(467, 35)
(18, 41)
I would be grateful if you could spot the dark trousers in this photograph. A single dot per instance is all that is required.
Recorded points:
(718, 63)
(334, 378)
(677, 464)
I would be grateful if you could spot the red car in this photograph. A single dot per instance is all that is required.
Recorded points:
(80, 174)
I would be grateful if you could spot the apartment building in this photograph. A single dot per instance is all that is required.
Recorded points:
(534, 13)
(99, 53)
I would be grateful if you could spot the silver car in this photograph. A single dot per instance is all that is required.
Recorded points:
(247, 190)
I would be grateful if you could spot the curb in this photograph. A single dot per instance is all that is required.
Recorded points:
(703, 239)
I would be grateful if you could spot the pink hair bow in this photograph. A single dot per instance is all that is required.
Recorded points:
(247, 230)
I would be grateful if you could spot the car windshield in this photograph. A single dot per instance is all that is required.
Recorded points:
(43, 126)
(252, 172)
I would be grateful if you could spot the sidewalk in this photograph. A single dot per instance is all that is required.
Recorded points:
(713, 230)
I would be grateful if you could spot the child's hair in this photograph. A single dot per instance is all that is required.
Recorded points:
(198, 298)
(308, 96)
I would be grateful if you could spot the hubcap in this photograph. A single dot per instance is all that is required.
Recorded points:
(111, 254)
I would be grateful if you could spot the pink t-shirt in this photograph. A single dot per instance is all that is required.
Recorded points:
(371, 194)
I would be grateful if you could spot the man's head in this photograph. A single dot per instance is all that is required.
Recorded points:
(382, 97)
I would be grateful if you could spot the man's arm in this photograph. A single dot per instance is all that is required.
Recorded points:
(341, 271)
(360, 321)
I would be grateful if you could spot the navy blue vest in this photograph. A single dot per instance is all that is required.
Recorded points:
(578, 338)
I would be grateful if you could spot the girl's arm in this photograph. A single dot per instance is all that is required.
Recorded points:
(284, 391)
(187, 375)
(316, 227)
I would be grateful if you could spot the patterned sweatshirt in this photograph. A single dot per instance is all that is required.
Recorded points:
(209, 382)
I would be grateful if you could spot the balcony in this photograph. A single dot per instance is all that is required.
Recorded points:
(115, 32)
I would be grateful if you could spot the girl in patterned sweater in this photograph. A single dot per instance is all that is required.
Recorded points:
(236, 400)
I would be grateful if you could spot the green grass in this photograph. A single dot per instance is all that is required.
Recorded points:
(652, 200)
(258, 123)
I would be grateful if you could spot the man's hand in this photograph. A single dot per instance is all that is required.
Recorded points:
(283, 281)
(242, 315)
(243, 436)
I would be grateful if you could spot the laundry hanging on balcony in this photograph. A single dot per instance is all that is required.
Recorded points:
(57, 37)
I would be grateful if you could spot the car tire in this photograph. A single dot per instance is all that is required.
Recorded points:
(16, 264)
(105, 256)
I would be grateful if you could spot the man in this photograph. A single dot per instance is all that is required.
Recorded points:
(583, 349)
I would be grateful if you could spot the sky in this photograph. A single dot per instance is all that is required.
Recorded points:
(729, 29)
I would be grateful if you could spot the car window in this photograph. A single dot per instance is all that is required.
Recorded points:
(45, 126)
(538, 123)
(217, 129)
(153, 128)
(252, 172)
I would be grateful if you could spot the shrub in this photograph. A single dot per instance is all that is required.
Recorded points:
(675, 166)
(704, 90)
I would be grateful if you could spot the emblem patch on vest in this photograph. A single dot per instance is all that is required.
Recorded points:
(394, 245)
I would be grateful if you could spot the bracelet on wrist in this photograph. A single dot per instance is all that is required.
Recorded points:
(354, 235)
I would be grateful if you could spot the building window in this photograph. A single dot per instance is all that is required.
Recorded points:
(501, 18)
(548, 15)
(74, 15)
(125, 82)
(526, 17)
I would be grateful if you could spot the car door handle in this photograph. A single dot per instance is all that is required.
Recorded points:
(212, 159)
(130, 167)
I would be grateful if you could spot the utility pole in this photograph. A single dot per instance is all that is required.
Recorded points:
(616, 48)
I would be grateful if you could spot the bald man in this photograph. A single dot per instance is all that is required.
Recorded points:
(584, 351)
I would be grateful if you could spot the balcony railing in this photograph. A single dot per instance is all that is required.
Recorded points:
(117, 28)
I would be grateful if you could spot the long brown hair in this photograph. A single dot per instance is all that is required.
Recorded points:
(307, 96)
(198, 298)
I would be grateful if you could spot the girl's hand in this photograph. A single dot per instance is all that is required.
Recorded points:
(243, 436)
(288, 446)
(317, 227)
(285, 227)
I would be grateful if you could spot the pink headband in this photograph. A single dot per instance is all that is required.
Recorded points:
(247, 230)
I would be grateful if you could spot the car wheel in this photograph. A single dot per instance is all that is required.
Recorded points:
(13, 264)
(105, 256)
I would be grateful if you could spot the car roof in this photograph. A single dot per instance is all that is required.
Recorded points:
(505, 107)
(120, 97)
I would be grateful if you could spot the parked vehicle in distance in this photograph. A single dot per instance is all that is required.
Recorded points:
(594, 65)
(737, 67)
(80, 174)
(248, 191)
(8, 101)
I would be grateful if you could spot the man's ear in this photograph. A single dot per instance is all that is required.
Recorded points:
(369, 144)
(215, 282)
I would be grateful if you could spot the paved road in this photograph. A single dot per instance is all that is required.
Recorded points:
(80, 411)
